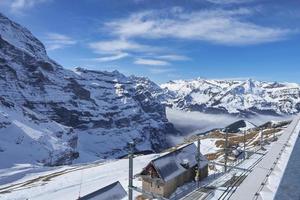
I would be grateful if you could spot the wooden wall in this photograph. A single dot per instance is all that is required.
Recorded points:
(166, 189)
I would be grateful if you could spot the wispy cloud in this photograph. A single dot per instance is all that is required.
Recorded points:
(116, 46)
(18, 6)
(155, 66)
(111, 57)
(229, 1)
(174, 57)
(219, 26)
(58, 41)
(151, 62)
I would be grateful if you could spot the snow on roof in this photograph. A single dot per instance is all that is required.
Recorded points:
(113, 191)
(172, 164)
(248, 125)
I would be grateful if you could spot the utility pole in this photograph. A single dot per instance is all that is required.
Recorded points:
(261, 138)
(130, 178)
(198, 162)
(226, 149)
(245, 144)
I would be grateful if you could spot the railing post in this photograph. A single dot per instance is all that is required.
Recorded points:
(245, 144)
(130, 178)
(226, 150)
(198, 162)
(261, 139)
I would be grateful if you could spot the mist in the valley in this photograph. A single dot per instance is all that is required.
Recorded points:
(191, 123)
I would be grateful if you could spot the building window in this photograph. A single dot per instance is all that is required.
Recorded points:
(151, 184)
(158, 186)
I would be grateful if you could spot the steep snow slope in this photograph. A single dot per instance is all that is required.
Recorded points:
(90, 107)
(26, 137)
(242, 98)
(21, 38)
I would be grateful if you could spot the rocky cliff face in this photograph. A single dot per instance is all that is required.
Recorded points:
(242, 98)
(64, 114)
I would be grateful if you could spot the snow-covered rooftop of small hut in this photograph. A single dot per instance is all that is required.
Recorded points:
(170, 165)
(113, 191)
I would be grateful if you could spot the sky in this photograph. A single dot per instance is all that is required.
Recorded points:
(169, 39)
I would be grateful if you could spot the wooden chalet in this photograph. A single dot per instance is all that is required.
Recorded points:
(163, 175)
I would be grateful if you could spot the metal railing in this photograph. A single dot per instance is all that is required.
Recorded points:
(262, 185)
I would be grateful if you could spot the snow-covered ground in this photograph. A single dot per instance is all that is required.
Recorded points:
(70, 182)
(208, 146)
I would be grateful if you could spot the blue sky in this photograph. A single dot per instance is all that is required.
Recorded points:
(169, 39)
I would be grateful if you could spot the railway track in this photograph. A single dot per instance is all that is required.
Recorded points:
(206, 191)
(232, 187)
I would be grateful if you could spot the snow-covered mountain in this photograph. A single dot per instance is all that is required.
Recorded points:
(53, 115)
(243, 98)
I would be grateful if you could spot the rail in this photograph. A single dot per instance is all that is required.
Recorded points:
(276, 161)
(251, 187)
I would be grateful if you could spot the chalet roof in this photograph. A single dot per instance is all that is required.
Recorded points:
(113, 191)
(170, 165)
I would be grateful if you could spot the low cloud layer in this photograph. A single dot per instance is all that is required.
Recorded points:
(190, 123)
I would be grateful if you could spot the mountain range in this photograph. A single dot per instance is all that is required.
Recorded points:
(242, 98)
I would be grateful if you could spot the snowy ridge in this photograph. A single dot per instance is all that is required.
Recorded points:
(242, 98)
(21, 38)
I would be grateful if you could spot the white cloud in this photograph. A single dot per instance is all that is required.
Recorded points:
(174, 57)
(152, 62)
(116, 46)
(220, 26)
(229, 1)
(20, 5)
(111, 57)
(58, 41)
